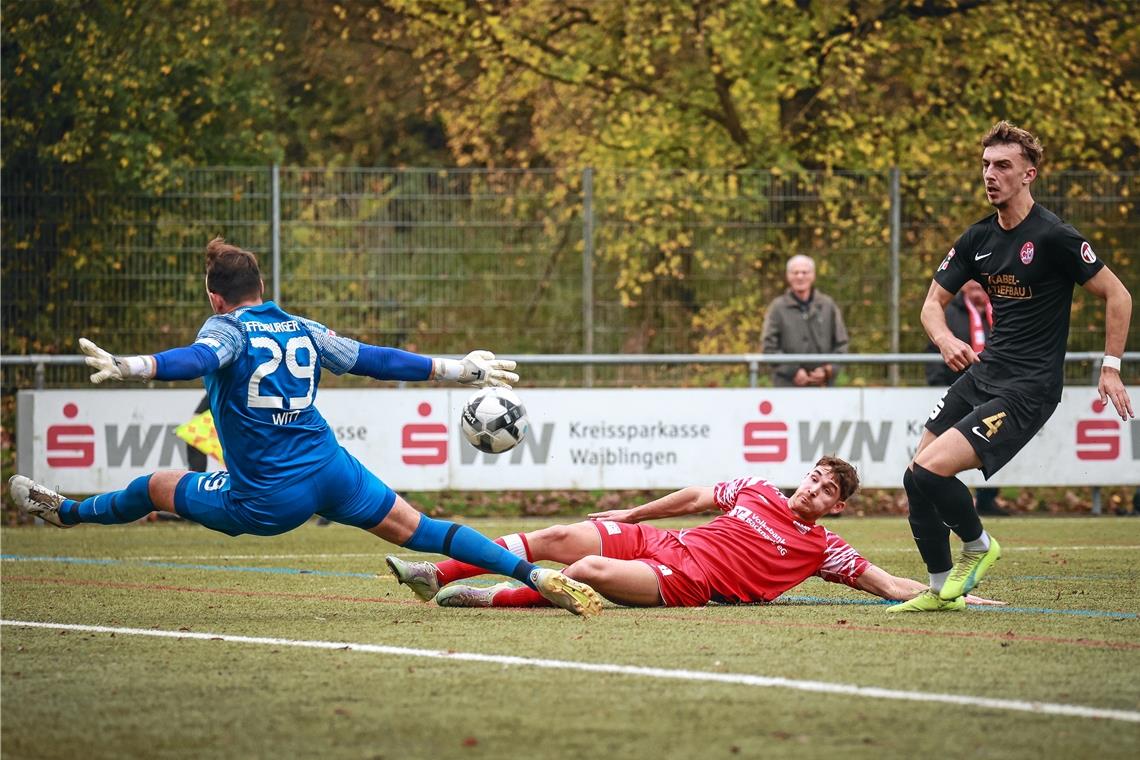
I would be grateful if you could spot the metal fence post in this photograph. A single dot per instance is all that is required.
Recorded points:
(275, 230)
(588, 273)
(896, 242)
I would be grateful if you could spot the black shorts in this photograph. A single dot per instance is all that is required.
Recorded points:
(997, 425)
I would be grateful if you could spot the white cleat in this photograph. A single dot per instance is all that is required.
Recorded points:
(458, 595)
(36, 500)
(567, 593)
(420, 577)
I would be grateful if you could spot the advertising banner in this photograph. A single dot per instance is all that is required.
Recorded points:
(87, 441)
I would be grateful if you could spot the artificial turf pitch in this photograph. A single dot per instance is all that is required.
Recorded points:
(186, 643)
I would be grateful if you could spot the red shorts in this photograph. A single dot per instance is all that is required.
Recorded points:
(680, 578)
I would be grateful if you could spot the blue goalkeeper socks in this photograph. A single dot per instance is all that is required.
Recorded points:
(128, 505)
(467, 545)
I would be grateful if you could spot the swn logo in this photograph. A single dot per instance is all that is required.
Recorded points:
(70, 445)
(129, 445)
(1099, 440)
(424, 442)
(535, 448)
(854, 440)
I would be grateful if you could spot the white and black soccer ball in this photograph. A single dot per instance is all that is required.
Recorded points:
(494, 420)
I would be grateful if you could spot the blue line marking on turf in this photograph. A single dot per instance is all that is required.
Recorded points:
(1066, 578)
(298, 571)
(181, 566)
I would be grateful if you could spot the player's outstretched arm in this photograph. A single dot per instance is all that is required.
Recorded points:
(479, 368)
(109, 367)
(875, 580)
(1117, 313)
(182, 363)
(687, 501)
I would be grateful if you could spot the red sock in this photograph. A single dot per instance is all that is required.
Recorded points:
(454, 570)
(523, 596)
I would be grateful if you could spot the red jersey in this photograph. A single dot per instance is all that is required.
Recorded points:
(759, 549)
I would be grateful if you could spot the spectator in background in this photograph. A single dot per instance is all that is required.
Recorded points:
(970, 317)
(803, 321)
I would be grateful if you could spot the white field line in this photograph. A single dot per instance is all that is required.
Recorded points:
(741, 679)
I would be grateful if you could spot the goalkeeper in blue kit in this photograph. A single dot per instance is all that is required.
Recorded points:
(262, 367)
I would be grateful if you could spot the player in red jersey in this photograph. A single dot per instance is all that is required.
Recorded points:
(762, 545)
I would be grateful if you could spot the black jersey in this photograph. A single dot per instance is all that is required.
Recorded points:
(1029, 273)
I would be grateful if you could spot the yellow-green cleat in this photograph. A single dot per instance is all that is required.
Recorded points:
(459, 595)
(567, 593)
(421, 577)
(969, 570)
(928, 601)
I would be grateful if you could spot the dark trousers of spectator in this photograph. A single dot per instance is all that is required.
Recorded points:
(985, 501)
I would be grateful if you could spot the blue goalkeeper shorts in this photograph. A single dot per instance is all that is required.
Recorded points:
(342, 490)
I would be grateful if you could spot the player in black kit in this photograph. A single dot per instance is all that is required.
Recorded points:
(1028, 260)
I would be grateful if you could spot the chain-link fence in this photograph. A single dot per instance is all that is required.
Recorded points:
(519, 261)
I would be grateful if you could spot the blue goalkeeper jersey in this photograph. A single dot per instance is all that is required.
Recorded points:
(264, 391)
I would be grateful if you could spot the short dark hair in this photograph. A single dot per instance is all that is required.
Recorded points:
(1004, 133)
(231, 272)
(843, 473)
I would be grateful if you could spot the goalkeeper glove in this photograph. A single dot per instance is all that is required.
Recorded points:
(116, 367)
(478, 368)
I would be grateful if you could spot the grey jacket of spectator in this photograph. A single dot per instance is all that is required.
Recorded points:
(788, 329)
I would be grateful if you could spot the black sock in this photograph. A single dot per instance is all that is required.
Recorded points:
(952, 499)
(931, 535)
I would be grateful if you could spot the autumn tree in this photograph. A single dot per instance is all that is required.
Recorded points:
(104, 100)
(738, 85)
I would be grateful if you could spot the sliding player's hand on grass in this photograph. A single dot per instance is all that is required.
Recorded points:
(971, 599)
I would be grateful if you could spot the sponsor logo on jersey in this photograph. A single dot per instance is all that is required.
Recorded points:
(802, 528)
(287, 326)
(979, 255)
(1007, 286)
(1027, 253)
(946, 261)
(1087, 254)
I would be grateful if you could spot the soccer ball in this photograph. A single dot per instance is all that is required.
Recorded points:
(494, 420)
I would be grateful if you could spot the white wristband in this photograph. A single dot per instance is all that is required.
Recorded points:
(448, 369)
(1111, 362)
(138, 366)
